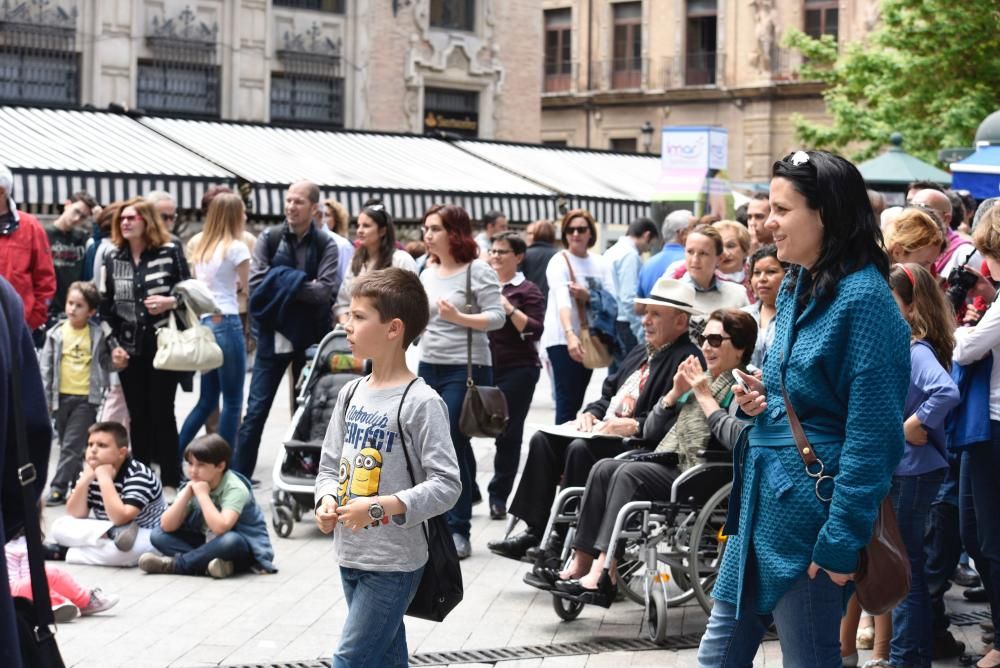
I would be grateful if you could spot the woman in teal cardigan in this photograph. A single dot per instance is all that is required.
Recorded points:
(841, 348)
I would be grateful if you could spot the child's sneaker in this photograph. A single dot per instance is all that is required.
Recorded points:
(220, 568)
(124, 537)
(155, 563)
(99, 602)
(65, 612)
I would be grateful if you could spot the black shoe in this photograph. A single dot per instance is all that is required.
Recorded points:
(976, 595)
(542, 577)
(538, 556)
(946, 647)
(988, 638)
(515, 546)
(498, 510)
(54, 552)
(603, 596)
(533, 580)
(477, 496)
(56, 497)
(965, 576)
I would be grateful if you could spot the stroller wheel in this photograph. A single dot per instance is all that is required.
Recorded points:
(297, 511)
(283, 521)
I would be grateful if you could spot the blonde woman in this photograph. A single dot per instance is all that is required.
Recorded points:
(914, 236)
(222, 260)
(735, 250)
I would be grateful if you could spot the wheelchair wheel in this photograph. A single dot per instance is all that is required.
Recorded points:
(283, 521)
(656, 614)
(567, 609)
(708, 545)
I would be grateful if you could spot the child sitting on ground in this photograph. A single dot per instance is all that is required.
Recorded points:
(74, 372)
(363, 482)
(115, 505)
(68, 599)
(214, 525)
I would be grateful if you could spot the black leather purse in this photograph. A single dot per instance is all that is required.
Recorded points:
(484, 408)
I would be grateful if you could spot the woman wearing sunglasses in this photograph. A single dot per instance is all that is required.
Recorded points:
(139, 277)
(698, 399)
(561, 334)
(841, 351)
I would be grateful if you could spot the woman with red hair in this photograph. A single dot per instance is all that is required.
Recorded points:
(443, 348)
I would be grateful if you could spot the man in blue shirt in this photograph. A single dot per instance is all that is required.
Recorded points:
(626, 262)
(673, 232)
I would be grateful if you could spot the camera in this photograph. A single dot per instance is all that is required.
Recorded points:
(960, 281)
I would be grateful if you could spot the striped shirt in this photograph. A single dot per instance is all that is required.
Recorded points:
(137, 486)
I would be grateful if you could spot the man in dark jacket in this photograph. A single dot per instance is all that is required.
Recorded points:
(627, 398)
(299, 244)
(16, 347)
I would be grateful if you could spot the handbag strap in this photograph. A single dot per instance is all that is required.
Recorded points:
(26, 475)
(406, 454)
(581, 311)
(468, 330)
(798, 433)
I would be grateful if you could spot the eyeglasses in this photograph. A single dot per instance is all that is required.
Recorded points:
(132, 217)
(499, 251)
(168, 216)
(714, 340)
(577, 230)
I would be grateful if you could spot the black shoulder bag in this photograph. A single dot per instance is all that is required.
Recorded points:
(34, 618)
(441, 587)
(484, 408)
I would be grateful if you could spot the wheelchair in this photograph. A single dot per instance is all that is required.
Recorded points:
(672, 548)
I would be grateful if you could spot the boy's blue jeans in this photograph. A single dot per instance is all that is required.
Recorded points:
(192, 553)
(374, 635)
(227, 379)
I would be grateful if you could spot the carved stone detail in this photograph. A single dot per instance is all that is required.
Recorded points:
(765, 33)
(38, 13)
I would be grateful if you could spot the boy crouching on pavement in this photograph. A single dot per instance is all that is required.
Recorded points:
(115, 505)
(214, 525)
(363, 483)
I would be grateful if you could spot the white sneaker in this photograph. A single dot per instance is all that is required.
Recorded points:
(65, 612)
(220, 568)
(99, 602)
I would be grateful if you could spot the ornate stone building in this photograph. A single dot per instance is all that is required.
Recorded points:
(464, 66)
(615, 72)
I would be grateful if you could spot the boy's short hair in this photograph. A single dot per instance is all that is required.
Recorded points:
(116, 429)
(396, 293)
(89, 292)
(209, 449)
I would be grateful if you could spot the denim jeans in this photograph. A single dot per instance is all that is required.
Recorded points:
(374, 635)
(191, 552)
(979, 498)
(912, 637)
(518, 387)
(570, 380)
(227, 379)
(808, 622)
(264, 382)
(943, 545)
(448, 380)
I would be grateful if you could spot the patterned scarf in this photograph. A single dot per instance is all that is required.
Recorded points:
(690, 433)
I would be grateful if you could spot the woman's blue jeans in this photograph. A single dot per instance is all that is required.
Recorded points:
(448, 380)
(912, 632)
(570, 380)
(227, 379)
(374, 635)
(808, 622)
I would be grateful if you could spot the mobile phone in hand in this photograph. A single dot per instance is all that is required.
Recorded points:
(747, 382)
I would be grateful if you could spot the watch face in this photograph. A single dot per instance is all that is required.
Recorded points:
(375, 511)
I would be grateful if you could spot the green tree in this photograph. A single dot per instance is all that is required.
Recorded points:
(930, 70)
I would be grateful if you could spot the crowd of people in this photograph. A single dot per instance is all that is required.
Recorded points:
(871, 324)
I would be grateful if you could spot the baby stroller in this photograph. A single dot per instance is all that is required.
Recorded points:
(296, 469)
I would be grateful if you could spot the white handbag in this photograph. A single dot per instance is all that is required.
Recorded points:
(193, 349)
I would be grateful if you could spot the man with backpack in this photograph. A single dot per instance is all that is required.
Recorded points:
(293, 279)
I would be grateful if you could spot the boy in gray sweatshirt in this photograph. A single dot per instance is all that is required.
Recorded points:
(363, 490)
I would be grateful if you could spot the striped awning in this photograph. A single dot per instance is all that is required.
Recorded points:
(409, 173)
(54, 153)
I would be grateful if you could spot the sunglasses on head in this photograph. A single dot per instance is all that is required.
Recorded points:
(714, 340)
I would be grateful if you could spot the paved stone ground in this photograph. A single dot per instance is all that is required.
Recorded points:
(296, 615)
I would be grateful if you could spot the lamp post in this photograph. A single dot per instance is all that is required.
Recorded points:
(647, 136)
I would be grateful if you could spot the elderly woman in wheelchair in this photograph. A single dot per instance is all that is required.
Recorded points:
(697, 397)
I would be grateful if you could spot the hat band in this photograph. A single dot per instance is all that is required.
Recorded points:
(671, 301)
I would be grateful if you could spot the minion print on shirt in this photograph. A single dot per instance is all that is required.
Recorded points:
(367, 472)
(345, 480)
(368, 446)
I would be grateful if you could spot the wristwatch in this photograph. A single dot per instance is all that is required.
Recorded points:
(376, 512)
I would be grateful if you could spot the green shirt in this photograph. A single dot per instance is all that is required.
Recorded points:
(230, 494)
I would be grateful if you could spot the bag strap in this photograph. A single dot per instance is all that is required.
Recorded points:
(26, 475)
(798, 433)
(406, 454)
(579, 307)
(468, 330)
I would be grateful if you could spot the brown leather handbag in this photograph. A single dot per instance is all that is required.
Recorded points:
(882, 579)
(484, 408)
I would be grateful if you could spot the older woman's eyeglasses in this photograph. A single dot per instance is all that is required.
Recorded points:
(714, 340)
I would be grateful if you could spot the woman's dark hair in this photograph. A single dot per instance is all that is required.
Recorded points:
(543, 230)
(513, 240)
(578, 213)
(741, 327)
(459, 228)
(386, 246)
(209, 449)
(852, 239)
(767, 250)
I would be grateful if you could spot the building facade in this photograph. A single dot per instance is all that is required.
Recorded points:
(615, 72)
(463, 66)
